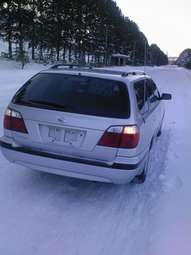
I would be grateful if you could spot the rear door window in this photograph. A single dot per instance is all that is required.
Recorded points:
(152, 93)
(76, 94)
(141, 95)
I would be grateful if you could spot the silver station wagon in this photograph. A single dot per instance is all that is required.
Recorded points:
(86, 123)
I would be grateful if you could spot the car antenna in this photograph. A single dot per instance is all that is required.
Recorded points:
(145, 55)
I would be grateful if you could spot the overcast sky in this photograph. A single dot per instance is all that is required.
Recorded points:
(164, 22)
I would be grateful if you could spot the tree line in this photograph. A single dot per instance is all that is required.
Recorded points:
(73, 31)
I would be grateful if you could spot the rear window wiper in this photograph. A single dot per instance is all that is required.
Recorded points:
(45, 103)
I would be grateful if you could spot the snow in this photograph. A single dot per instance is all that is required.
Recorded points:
(47, 214)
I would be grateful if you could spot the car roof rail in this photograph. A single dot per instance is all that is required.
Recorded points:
(95, 69)
(133, 73)
(71, 66)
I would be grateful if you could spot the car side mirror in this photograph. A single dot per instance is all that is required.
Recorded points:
(166, 96)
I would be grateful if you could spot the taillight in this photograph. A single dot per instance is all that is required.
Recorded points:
(130, 137)
(120, 137)
(13, 120)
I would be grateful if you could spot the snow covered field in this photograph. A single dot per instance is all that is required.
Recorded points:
(45, 214)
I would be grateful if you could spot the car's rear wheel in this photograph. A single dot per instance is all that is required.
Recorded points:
(139, 179)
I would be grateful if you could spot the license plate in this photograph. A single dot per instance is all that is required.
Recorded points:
(74, 137)
(55, 134)
(66, 136)
(70, 136)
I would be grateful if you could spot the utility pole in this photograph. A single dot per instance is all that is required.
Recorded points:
(106, 45)
(134, 52)
(145, 55)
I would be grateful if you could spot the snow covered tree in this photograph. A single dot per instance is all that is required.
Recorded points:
(157, 56)
(73, 30)
(7, 23)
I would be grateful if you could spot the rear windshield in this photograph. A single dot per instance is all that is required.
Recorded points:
(76, 94)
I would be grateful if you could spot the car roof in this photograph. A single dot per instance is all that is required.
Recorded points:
(129, 76)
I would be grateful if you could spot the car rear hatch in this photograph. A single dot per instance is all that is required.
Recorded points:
(68, 114)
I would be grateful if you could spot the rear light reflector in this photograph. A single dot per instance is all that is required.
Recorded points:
(126, 137)
(13, 120)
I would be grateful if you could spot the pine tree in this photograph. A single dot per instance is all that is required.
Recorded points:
(157, 56)
(76, 30)
(6, 23)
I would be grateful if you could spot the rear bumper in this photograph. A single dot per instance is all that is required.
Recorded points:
(72, 167)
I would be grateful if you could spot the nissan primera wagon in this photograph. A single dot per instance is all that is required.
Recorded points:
(85, 123)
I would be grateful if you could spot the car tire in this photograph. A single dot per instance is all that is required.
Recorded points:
(141, 178)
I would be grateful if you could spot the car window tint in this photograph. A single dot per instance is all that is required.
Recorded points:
(76, 94)
(140, 93)
(155, 89)
(152, 91)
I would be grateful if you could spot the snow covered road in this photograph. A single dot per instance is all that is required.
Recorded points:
(45, 214)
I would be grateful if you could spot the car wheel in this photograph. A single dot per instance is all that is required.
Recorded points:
(139, 179)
